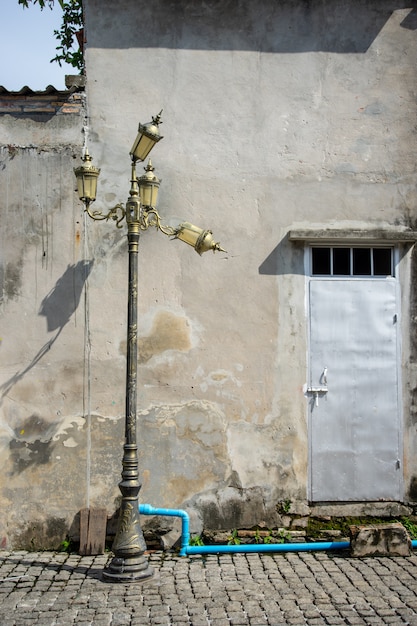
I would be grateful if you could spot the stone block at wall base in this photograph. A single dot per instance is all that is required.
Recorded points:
(379, 540)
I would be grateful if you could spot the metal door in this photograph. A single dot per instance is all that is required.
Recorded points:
(353, 390)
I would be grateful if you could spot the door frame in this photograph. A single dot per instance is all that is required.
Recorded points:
(308, 276)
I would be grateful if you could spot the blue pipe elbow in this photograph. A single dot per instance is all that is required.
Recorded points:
(147, 509)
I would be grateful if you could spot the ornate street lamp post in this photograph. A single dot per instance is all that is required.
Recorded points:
(129, 562)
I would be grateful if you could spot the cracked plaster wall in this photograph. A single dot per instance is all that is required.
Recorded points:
(276, 116)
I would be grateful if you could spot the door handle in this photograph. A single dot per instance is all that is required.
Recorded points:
(317, 391)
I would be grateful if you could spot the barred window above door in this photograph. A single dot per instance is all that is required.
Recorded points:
(351, 261)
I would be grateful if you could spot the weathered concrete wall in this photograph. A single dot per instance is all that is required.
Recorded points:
(276, 116)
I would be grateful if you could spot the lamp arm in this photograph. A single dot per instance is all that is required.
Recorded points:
(151, 217)
(145, 216)
(113, 214)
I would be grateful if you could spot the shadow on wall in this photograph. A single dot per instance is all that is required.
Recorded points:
(410, 22)
(285, 258)
(58, 307)
(270, 26)
(63, 300)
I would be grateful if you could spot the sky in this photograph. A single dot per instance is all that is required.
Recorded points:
(27, 44)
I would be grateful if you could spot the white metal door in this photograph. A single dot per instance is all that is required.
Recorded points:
(353, 390)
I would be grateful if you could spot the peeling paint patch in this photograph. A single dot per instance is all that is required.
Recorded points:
(169, 332)
(34, 441)
(26, 454)
(70, 443)
(219, 378)
(71, 421)
(35, 428)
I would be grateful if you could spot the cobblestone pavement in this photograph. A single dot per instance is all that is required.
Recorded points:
(47, 588)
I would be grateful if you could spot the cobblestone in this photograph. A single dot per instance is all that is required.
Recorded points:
(300, 589)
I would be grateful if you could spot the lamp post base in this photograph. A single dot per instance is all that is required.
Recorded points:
(129, 569)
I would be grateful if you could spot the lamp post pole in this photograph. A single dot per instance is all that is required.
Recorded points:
(129, 562)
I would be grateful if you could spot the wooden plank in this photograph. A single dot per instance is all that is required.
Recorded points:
(97, 531)
(93, 524)
(84, 517)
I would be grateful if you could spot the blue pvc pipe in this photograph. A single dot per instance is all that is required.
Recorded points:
(268, 547)
(147, 509)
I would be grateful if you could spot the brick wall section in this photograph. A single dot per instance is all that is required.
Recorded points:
(50, 102)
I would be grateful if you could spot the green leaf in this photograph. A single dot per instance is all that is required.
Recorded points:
(68, 50)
